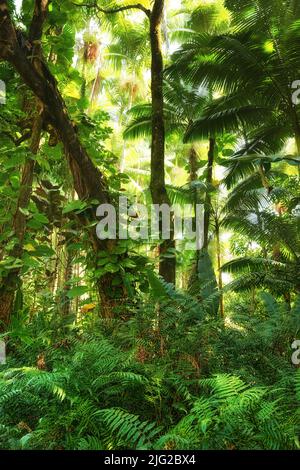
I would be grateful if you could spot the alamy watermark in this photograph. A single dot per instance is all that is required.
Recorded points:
(2, 92)
(2, 353)
(157, 222)
(296, 354)
(296, 94)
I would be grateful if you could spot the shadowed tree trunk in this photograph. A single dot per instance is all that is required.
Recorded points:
(207, 203)
(207, 211)
(68, 270)
(167, 266)
(219, 265)
(193, 167)
(193, 170)
(10, 282)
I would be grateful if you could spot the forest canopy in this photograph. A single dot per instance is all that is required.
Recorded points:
(149, 225)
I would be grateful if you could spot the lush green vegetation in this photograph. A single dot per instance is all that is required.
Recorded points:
(145, 344)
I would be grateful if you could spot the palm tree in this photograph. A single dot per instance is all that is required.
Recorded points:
(253, 67)
(277, 268)
(264, 211)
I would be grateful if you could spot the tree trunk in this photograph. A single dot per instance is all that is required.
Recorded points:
(193, 160)
(8, 38)
(207, 203)
(10, 283)
(68, 270)
(167, 266)
(219, 263)
(193, 167)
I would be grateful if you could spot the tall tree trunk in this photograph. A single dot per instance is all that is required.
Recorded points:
(193, 160)
(193, 167)
(68, 270)
(167, 266)
(219, 264)
(10, 282)
(207, 203)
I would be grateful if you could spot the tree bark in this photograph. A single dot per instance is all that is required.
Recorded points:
(10, 282)
(68, 270)
(219, 263)
(207, 203)
(167, 266)
(193, 160)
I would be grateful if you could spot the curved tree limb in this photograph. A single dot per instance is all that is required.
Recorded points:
(111, 11)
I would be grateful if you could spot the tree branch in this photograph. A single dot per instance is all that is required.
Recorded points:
(8, 38)
(38, 19)
(111, 11)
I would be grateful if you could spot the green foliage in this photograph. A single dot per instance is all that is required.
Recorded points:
(236, 416)
(88, 397)
(206, 364)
